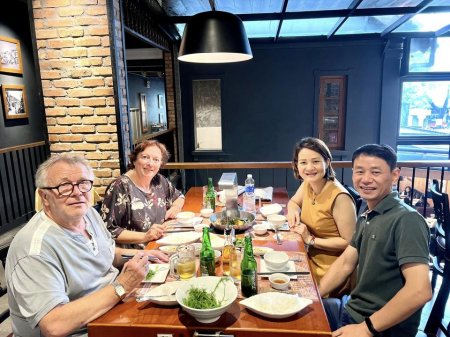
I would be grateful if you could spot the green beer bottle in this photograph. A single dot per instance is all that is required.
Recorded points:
(249, 268)
(207, 262)
(211, 196)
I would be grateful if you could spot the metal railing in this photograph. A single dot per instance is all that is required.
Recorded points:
(416, 174)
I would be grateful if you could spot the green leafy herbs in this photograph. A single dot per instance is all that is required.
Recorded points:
(151, 273)
(239, 242)
(199, 298)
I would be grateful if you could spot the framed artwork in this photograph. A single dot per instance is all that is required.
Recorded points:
(144, 114)
(14, 101)
(207, 114)
(10, 56)
(331, 121)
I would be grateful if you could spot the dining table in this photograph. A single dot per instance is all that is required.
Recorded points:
(132, 318)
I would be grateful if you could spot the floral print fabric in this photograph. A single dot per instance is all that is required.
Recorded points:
(125, 206)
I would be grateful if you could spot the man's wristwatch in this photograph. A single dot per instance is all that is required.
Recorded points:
(370, 327)
(119, 289)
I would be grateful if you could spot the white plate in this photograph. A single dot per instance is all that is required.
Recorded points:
(264, 269)
(268, 225)
(216, 242)
(189, 223)
(166, 288)
(179, 238)
(270, 209)
(275, 305)
(161, 273)
(169, 250)
(258, 251)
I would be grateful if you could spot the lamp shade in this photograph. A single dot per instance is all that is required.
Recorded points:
(214, 37)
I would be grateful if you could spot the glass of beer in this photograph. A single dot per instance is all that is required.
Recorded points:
(182, 263)
(235, 264)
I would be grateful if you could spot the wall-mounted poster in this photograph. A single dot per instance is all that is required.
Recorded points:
(207, 114)
(144, 115)
(14, 101)
(331, 121)
(10, 56)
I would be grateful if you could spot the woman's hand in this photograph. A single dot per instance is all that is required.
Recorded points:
(302, 229)
(172, 212)
(154, 233)
(162, 257)
(293, 215)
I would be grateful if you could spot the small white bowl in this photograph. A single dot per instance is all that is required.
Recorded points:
(206, 212)
(199, 227)
(279, 281)
(185, 217)
(260, 229)
(276, 220)
(276, 260)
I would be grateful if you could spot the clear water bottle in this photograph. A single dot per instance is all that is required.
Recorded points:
(249, 200)
(249, 184)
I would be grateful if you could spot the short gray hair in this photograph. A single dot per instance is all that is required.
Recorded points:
(71, 159)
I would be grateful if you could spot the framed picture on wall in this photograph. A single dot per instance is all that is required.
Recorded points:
(10, 56)
(144, 115)
(207, 114)
(14, 101)
(331, 120)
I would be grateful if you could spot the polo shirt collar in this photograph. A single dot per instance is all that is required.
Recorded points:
(389, 201)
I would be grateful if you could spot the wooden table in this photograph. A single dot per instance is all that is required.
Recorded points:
(148, 319)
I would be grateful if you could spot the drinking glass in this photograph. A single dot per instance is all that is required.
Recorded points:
(182, 263)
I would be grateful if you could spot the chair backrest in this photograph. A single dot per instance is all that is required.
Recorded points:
(442, 214)
(356, 197)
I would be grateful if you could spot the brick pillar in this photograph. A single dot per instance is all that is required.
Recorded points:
(75, 62)
(170, 94)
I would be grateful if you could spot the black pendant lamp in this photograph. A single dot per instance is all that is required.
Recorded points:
(215, 37)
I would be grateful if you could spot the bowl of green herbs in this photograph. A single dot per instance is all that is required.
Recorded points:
(206, 298)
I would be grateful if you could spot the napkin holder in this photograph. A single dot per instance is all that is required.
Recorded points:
(228, 184)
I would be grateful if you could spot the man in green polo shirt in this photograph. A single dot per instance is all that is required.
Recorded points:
(390, 249)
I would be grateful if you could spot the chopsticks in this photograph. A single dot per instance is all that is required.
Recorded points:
(285, 272)
(129, 257)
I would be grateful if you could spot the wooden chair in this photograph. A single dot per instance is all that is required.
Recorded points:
(441, 260)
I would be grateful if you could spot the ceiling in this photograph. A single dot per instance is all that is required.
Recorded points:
(280, 20)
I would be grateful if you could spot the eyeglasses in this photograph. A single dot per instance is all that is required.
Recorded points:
(66, 189)
(149, 159)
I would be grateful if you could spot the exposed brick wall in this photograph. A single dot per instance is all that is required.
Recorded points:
(75, 62)
(170, 95)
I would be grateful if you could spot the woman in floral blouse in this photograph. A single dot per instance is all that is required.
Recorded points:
(138, 202)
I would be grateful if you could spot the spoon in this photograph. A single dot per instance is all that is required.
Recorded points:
(167, 292)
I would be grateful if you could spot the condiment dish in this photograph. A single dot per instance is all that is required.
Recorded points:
(279, 281)
(185, 217)
(206, 212)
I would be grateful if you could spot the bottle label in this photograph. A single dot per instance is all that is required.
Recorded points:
(207, 267)
(249, 188)
(248, 283)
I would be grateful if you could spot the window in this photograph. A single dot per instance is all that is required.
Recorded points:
(424, 127)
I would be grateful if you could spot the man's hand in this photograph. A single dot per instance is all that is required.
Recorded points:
(353, 330)
(133, 272)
